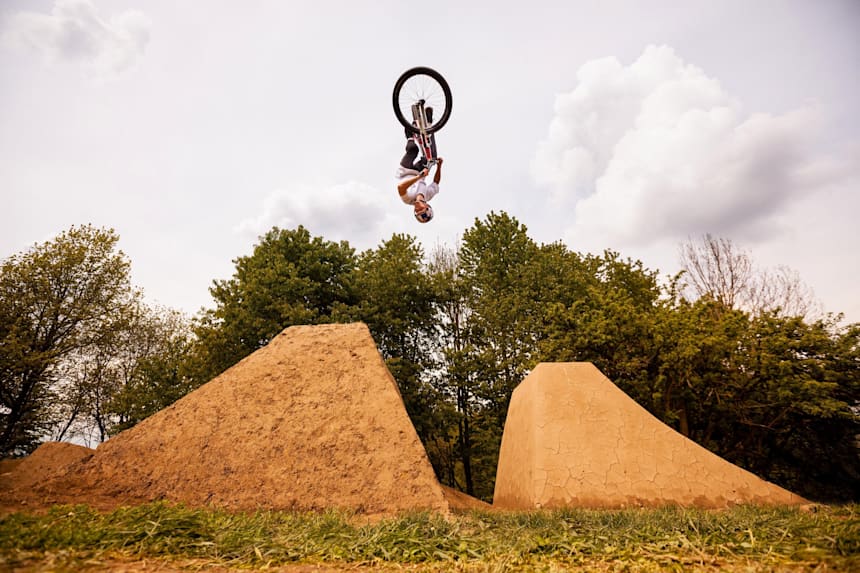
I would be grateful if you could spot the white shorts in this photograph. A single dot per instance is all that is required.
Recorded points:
(404, 172)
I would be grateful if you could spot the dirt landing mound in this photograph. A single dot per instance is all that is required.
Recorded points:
(573, 439)
(49, 461)
(313, 420)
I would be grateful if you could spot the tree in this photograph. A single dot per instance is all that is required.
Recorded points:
(604, 310)
(690, 383)
(394, 298)
(291, 278)
(794, 400)
(715, 268)
(498, 266)
(458, 381)
(781, 291)
(56, 299)
(153, 364)
(773, 394)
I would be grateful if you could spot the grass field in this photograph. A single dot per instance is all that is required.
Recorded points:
(166, 537)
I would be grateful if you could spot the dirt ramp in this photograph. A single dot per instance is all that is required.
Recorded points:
(313, 420)
(574, 439)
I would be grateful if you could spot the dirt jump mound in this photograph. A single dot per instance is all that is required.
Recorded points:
(574, 439)
(50, 460)
(313, 420)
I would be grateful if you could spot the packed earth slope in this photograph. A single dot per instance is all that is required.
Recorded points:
(574, 439)
(48, 461)
(313, 420)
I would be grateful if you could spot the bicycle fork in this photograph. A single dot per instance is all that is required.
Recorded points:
(422, 138)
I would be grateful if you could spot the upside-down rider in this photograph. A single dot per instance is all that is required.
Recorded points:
(412, 171)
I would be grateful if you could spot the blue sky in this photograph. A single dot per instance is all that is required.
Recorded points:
(191, 128)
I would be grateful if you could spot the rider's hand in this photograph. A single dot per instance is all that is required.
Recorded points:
(439, 161)
(425, 172)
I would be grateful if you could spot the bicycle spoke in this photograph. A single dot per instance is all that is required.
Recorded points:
(422, 88)
(428, 87)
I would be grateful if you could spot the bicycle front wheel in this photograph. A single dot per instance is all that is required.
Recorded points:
(422, 84)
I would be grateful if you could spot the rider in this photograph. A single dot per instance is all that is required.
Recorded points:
(412, 171)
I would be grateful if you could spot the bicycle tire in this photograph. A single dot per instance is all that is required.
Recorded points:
(430, 86)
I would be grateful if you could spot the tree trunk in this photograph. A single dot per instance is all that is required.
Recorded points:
(684, 422)
(465, 440)
(19, 407)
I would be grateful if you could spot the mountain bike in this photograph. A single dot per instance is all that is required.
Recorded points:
(419, 94)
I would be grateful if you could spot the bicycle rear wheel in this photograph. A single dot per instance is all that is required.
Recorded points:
(422, 84)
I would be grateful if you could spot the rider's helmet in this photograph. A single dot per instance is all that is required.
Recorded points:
(424, 216)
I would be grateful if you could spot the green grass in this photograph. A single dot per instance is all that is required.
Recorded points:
(742, 538)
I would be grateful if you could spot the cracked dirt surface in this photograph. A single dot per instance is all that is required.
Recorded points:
(574, 439)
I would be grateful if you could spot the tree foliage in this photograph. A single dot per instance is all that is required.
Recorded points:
(57, 300)
(290, 278)
(153, 366)
(489, 313)
(498, 262)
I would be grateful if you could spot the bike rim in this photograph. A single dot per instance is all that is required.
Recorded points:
(422, 86)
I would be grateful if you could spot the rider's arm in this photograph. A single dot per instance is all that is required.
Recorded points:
(404, 185)
(438, 176)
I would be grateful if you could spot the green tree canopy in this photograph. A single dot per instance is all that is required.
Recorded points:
(491, 310)
(290, 278)
(153, 366)
(56, 299)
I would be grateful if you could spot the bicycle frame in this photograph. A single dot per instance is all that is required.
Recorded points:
(422, 138)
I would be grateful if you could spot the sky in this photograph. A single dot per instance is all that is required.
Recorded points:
(193, 128)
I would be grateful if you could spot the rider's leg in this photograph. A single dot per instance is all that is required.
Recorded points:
(409, 158)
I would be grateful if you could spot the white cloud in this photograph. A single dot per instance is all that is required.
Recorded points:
(658, 150)
(352, 211)
(75, 32)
